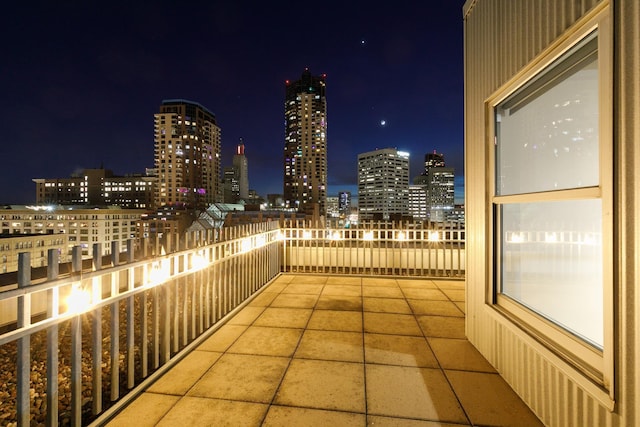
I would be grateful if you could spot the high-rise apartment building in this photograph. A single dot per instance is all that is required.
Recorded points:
(305, 147)
(383, 184)
(187, 155)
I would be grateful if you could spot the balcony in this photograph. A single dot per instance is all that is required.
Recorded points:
(264, 325)
(335, 350)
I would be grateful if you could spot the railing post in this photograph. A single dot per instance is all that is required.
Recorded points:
(24, 343)
(76, 347)
(115, 325)
(96, 332)
(53, 269)
(130, 318)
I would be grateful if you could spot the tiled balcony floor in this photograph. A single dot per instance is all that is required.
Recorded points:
(336, 351)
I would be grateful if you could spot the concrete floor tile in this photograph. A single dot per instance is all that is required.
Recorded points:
(222, 339)
(382, 291)
(284, 317)
(331, 345)
(424, 293)
(179, 379)
(332, 320)
(267, 341)
(379, 281)
(391, 323)
(407, 392)
(488, 400)
(309, 279)
(246, 316)
(283, 416)
(294, 301)
(459, 354)
(342, 290)
(416, 283)
(398, 350)
(455, 294)
(242, 377)
(264, 299)
(344, 280)
(323, 385)
(377, 421)
(145, 411)
(197, 411)
(434, 308)
(339, 302)
(309, 289)
(450, 284)
(386, 305)
(443, 327)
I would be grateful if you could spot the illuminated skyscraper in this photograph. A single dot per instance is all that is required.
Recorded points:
(383, 184)
(241, 166)
(305, 147)
(187, 155)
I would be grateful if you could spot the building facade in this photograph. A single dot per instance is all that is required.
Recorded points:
(187, 155)
(97, 187)
(383, 184)
(305, 146)
(75, 225)
(440, 193)
(418, 202)
(552, 161)
(344, 203)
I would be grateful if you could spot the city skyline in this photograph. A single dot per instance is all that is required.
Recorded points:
(81, 85)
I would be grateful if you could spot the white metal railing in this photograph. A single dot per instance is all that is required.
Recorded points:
(377, 248)
(106, 330)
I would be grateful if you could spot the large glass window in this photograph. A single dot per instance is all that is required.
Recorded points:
(548, 195)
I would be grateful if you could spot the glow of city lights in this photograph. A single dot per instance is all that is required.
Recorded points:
(516, 238)
(245, 245)
(588, 239)
(198, 262)
(434, 236)
(368, 235)
(79, 300)
(159, 273)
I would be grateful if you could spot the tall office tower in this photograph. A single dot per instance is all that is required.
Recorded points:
(305, 146)
(344, 203)
(242, 169)
(440, 193)
(187, 155)
(418, 202)
(433, 160)
(383, 184)
(230, 186)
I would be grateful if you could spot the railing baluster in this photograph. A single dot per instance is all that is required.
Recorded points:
(53, 301)
(96, 332)
(24, 343)
(76, 347)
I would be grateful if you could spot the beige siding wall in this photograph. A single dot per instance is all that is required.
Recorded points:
(502, 37)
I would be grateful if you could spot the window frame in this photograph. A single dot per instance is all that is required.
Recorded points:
(591, 367)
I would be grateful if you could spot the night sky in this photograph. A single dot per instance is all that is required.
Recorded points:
(80, 82)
